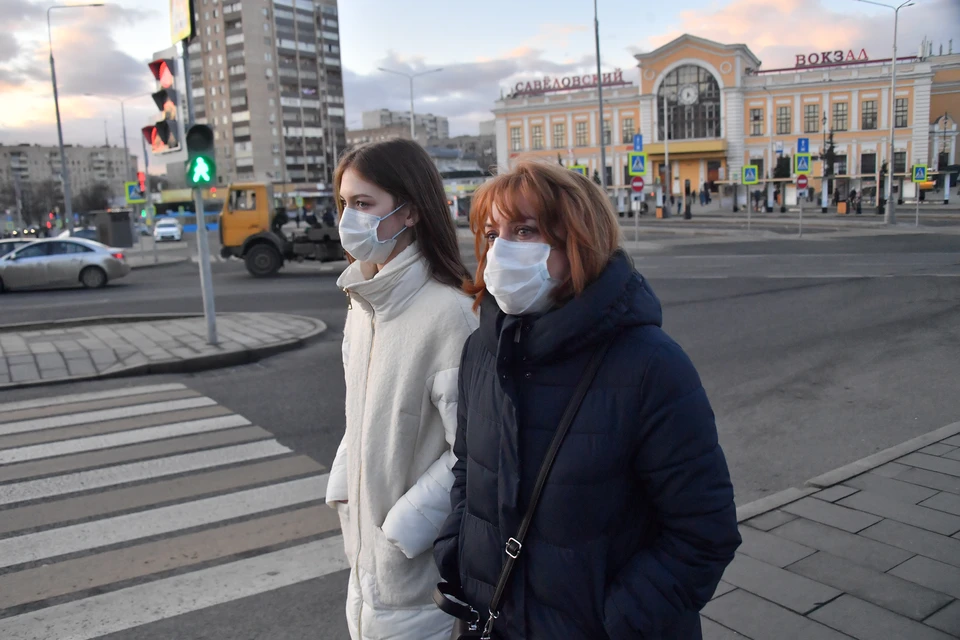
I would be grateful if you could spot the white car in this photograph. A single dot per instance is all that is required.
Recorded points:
(167, 229)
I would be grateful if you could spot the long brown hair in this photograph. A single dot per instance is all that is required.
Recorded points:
(403, 169)
(572, 213)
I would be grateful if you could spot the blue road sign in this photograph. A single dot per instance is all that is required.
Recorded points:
(750, 174)
(638, 163)
(133, 193)
(919, 173)
(801, 163)
(803, 145)
(637, 142)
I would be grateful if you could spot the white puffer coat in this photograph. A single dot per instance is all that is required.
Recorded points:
(402, 344)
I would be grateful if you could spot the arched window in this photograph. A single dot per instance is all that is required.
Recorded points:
(693, 101)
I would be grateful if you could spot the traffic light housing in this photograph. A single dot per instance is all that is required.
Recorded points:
(201, 167)
(164, 134)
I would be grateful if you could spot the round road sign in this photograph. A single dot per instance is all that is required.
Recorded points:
(637, 184)
(801, 182)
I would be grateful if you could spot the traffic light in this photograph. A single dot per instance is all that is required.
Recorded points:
(201, 165)
(142, 179)
(164, 134)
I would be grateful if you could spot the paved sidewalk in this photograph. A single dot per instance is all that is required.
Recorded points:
(868, 551)
(110, 347)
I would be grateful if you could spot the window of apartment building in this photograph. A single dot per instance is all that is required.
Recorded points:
(206, 15)
(559, 135)
(900, 113)
(783, 120)
(868, 115)
(516, 139)
(219, 58)
(626, 131)
(216, 28)
(216, 13)
(208, 29)
(899, 161)
(756, 122)
(868, 163)
(583, 138)
(536, 133)
(267, 57)
(840, 116)
(266, 28)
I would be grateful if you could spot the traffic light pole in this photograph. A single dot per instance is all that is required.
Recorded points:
(203, 248)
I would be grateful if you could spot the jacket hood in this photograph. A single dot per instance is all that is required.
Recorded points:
(388, 291)
(619, 298)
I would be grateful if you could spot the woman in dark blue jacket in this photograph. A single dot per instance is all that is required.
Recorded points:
(637, 520)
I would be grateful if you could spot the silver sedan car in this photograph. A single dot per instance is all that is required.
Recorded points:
(60, 262)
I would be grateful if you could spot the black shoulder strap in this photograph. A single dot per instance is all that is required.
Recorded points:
(515, 544)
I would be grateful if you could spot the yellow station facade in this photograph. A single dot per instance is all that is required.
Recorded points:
(724, 111)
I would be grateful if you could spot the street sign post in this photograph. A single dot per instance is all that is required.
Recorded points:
(201, 170)
(637, 184)
(801, 163)
(918, 174)
(803, 145)
(802, 182)
(751, 174)
(637, 142)
(637, 163)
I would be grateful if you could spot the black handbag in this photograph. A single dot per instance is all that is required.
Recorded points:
(468, 624)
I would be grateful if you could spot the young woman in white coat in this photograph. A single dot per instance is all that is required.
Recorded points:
(406, 325)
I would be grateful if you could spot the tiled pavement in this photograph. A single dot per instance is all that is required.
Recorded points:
(874, 556)
(135, 505)
(34, 355)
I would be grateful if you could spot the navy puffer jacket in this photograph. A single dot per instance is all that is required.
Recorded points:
(637, 521)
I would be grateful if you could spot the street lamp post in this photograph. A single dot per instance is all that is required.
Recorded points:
(824, 183)
(890, 217)
(411, 76)
(123, 120)
(603, 139)
(64, 170)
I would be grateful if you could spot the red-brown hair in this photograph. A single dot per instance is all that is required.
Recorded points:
(572, 213)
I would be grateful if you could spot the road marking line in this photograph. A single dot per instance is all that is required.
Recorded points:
(82, 397)
(96, 405)
(93, 443)
(141, 496)
(150, 558)
(137, 471)
(139, 605)
(144, 524)
(69, 420)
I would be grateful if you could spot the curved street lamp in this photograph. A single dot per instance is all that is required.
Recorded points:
(411, 76)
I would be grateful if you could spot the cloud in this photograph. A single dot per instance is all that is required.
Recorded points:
(464, 91)
(777, 32)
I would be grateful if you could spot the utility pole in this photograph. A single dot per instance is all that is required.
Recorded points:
(603, 140)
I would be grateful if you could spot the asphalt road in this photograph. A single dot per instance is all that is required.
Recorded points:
(814, 352)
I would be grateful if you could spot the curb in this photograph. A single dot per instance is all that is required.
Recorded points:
(844, 473)
(222, 360)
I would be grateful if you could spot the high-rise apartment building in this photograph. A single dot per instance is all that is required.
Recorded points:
(435, 126)
(266, 76)
(34, 164)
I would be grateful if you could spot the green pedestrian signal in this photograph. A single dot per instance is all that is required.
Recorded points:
(201, 169)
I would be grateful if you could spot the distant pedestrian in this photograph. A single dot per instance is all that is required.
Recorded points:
(636, 522)
(679, 205)
(390, 481)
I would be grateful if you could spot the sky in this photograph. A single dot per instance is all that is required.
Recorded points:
(482, 48)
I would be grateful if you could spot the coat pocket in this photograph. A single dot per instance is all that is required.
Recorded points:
(402, 582)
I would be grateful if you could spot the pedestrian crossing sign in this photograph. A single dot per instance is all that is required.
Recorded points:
(133, 193)
(750, 174)
(919, 173)
(638, 163)
(580, 168)
(801, 163)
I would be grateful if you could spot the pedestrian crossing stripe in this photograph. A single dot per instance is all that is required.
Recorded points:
(750, 174)
(801, 163)
(637, 163)
(919, 173)
(102, 490)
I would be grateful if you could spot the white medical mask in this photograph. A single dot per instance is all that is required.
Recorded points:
(516, 276)
(358, 235)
